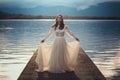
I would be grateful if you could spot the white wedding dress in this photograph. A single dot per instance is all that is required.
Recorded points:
(59, 56)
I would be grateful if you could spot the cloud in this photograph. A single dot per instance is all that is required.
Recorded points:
(84, 4)
(78, 4)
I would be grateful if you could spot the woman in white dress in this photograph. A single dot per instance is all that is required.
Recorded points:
(61, 55)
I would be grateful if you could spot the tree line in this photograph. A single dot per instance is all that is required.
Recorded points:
(6, 15)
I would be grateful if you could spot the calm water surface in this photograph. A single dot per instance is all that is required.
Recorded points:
(20, 38)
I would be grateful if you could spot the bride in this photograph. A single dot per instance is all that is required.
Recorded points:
(61, 55)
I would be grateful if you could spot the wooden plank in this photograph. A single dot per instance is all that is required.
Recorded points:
(85, 70)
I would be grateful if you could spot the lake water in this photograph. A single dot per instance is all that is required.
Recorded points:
(20, 38)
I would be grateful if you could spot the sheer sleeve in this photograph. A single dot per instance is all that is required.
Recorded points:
(51, 31)
(69, 33)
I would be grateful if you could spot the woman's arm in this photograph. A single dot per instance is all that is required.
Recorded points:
(49, 34)
(70, 34)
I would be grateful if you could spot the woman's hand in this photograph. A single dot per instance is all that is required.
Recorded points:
(77, 39)
(42, 41)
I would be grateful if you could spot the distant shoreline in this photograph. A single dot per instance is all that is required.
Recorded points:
(64, 18)
(5, 15)
(54, 20)
(92, 18)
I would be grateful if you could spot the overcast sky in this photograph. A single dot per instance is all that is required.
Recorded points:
(78, 4)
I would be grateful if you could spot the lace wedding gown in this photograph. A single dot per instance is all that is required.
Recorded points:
(61, 55)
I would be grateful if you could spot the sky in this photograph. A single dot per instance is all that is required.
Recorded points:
(79, 5)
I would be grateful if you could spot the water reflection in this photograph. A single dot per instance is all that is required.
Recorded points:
(13, 56)
(110, 65)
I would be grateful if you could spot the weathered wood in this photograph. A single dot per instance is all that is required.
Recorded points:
(85, 70)
(57, 76)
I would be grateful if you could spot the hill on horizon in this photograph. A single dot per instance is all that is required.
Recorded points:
(106, 9)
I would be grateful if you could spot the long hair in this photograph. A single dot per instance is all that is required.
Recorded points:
(61, 23)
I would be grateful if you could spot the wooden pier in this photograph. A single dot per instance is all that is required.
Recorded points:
(85, 70)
